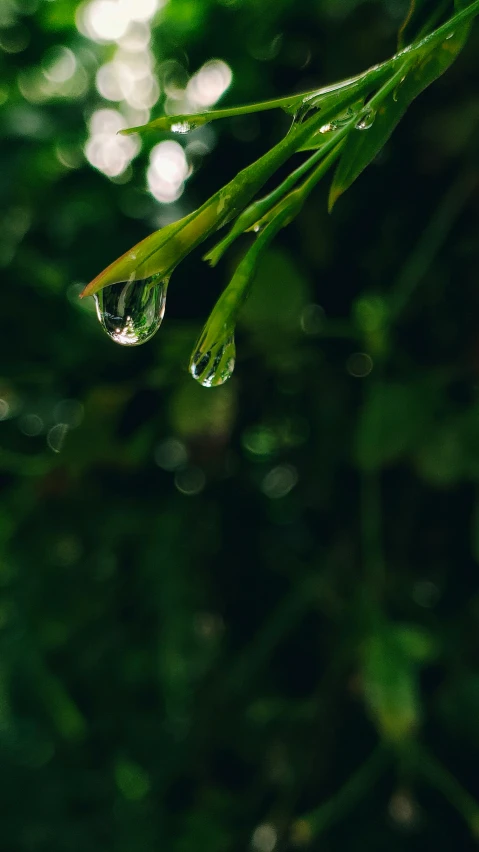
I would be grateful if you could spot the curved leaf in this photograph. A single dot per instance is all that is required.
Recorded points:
(363, 145)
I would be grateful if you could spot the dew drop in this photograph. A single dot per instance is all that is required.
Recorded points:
(213, 367)
(182, 126)
(396, 90)
(367, 120)
(131, 311)
(304, 111)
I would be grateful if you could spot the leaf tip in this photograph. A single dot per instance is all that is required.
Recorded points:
(334, 194)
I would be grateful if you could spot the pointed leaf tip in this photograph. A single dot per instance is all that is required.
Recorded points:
(334, 193)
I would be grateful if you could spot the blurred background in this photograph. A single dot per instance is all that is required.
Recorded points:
(242, 618)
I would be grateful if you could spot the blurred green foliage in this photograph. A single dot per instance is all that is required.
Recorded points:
(245, 617)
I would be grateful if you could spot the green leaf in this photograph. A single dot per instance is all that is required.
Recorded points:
(390, 686)
(291, 104)
(363, 145)
(394, 420)
(416, 642)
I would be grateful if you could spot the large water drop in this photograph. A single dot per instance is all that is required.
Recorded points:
(131, 311)
(214, 366)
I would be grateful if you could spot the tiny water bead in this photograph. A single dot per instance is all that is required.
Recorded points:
(367, 120)
(131, 311)
(213, 367)
(338, 123)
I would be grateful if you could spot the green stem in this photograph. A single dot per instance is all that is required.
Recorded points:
(165, 122)
(260, 208)
(336, 808)
(265, 205)
(443, 780)
(162, 251)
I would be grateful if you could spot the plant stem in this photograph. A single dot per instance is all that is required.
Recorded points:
(260, 208)
(443, 780)
(333, 810)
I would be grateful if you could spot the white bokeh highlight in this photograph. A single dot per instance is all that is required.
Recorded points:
(167, 171)
(105, 150)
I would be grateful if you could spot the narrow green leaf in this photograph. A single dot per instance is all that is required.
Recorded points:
(363, 145)
(185, 123)
(291, 104)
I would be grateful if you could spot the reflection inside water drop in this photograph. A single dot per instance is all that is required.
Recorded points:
(367, 120)
(213, 367)
(131, 311)
(182, 126)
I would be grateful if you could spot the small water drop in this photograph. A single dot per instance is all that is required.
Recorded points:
(182, 126)
(131, 311)
(213, 367)
(451, 35)
(303, 112)
(367, 120)
(396, 90)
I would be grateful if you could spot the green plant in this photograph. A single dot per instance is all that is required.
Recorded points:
(343, 125)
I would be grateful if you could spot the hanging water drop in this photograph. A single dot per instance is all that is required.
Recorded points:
(131, 311)
(367, 120)
(213, 367)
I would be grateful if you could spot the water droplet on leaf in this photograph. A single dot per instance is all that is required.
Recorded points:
(396, 90)
(303, 112)
(367, 120)
(213, 367)
(182, 126)
(131, 311)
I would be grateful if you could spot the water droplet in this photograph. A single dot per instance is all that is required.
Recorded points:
(131, 311)
(367, 120)
(303, 112)
(396, 90)
(182, 126)
(451, 35)
(212, 367)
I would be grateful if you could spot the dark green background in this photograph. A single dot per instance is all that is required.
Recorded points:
(188, 654)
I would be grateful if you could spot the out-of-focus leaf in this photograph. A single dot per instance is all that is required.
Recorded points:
(364, 144)
(416, 642)
(390, 685)
(394, 419)
(458, 707)
(279, 294)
